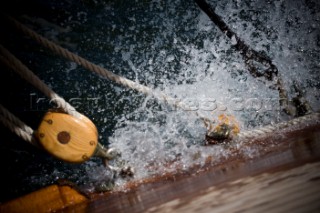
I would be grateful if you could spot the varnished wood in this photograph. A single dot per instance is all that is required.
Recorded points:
(68, 138)
(273, 182)
(48, 199)
(293, 190)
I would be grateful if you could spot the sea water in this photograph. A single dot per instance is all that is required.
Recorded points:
(172, 47)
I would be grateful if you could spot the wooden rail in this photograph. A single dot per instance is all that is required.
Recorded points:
(286, 176)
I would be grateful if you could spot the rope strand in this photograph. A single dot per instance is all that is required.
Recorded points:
(102, 71)
(133, 85)
(106, 73)
(263, 131)
(16, 125)
(11, 61)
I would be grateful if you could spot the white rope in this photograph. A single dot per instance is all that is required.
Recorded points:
(104, 72)
(11, 61)
(264, 131)
(146, 90)
(16, 125)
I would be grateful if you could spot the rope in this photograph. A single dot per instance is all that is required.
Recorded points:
(146, 90)
(13, 123)
(263, 131)
(11, 61)
(102, 71)
(16, 125)
(81, 61)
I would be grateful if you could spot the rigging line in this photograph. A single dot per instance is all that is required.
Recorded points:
(159, 95)
(246, 51)
(17, 126)
(11, 61)
(15, 64)
(106, 73)
(14, 120)
(250, 56)
(269, 129)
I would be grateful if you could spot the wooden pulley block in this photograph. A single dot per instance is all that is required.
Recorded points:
(68, 138)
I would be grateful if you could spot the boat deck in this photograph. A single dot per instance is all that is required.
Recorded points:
(285, 177)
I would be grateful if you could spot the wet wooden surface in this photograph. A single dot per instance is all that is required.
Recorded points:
(293, 190)
(285, 176)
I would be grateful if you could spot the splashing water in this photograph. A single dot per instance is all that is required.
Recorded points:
(174, 47)
(212, 78)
